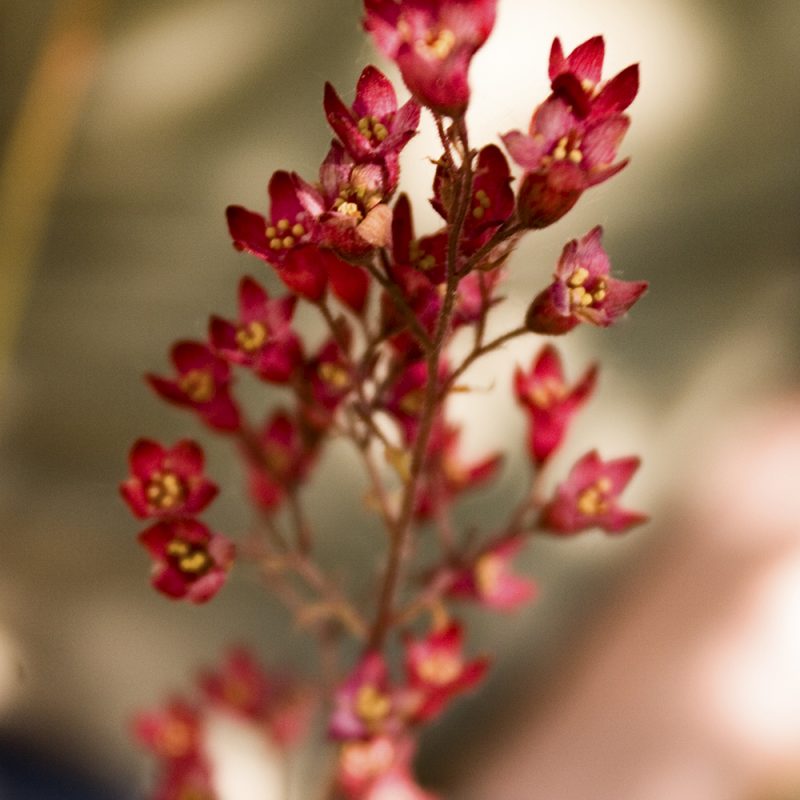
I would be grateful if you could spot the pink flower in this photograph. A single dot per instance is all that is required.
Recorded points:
(432, 42)
(167, 482)
(437, 670)
(239, 685)
(173, 733)
(583, 290)
(492, 201)
(263, 338)
(363, 763)
(576, 79)
(365, 704)
(190, 781)
(202, 385)
(446, 475)
(189, 561)
(374, 129)
(288, 240)
(588, 497)
(356, 217)
(488, 579)
(328, 380)
(550, 404)
(562, 156)
(281, 459)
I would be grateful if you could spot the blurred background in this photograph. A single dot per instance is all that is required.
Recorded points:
(660, 665)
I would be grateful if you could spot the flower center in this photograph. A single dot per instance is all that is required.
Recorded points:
(419, 258)
(283, 235)
(594, 499)
(164, 490)
(546, 393)
(189, 558)
(372, 128)
(412, 402)
(437, 43)
(198, 385)
(372, 705)
(488, 570)
(440, 668)
(367, 759)
(334, 375)
(175, 739)
(252, 337)
(355, 201)
(581, 296)
(567, 147)
(482, 203)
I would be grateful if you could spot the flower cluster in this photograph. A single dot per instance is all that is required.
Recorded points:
(392, 300)
(278, 709)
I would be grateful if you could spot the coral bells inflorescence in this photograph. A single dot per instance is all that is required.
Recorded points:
(392, 300)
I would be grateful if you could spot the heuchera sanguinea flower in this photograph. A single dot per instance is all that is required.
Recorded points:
(446, 475)
(588, 497)
(167, 482)
(374, 129)
(363, 763)
(437, 670)
(282, 458)
(202, 385)
(290, 240)
(263, 338)
(582, 290)
(550, 404)
(366, 704)
(489, 580)
(278, 706)
(492, 201)
(328, 380)
(576, 78)
(190, 781)
(172, 733)
(356, 217)
(432, 42)
(562, 157)
(190, 561)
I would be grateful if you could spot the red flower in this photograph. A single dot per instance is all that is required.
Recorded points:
(263, 338)
(562, 156)
(240, 685)
(405, 397)
(588, 497)
(550, 405)
(202, 385)
(492, 201)
(362, 764)
(365, 704)
(191, 781)
(576, 79)
(583, 290)
(166, 483)
(356, 218)
(288, 240)
(283, 459)
(489, 581)
(437, 670)
(373, 129)
(173, 733)
(475, 296)
(432, 42)
(190, 561)
(446, 475)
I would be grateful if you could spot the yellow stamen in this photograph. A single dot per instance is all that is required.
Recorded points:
(440, 668)
(252, 337)
(478, 212)
(334, 375)
(438, 44)
(178, 548)
(372, 705)
(298, 230)
(288, 241)
(578, 278)
(195, 562)
(283, 224)
(198, 384)
(164, 490)
(575, 156)
(272, 232)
